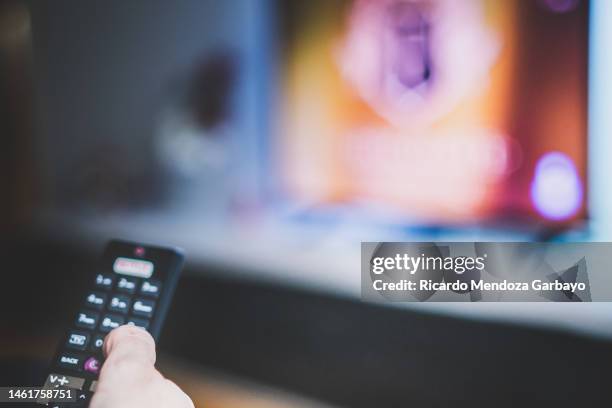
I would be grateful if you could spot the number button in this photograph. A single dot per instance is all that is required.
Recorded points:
(97, 343)
(110, 322)
(77, 340)
(95, 300)
(126, 285)
(143, 307)
(119, 304)
(143, 324)
(104, 281)
(87, 320)
(150, 288)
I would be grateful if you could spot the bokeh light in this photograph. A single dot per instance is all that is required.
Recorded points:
(556, 189)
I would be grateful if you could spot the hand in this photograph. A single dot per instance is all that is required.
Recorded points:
(128, 377)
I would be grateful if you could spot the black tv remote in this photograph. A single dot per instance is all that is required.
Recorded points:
(134, 284)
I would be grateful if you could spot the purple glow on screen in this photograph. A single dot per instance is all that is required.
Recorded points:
(556, 189)
(561, 6)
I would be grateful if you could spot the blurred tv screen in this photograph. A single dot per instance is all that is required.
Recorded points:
(435, 111)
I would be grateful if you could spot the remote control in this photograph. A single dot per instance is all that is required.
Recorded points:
(133, 285)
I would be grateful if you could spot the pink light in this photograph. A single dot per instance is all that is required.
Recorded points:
(556, 189)
(418, 60)
(561, 6)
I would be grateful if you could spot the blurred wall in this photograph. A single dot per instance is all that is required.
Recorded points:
(106, 69)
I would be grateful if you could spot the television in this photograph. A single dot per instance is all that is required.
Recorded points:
(446, 113)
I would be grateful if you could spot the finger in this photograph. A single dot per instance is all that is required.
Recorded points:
(130, 340)
(130, 356)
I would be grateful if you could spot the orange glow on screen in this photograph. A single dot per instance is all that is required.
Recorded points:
(425, 107)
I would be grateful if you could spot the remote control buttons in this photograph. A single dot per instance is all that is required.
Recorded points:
(87, 320)
(97, 343)
(70, 360)
(82, 399)
(77, 340)
(143, 307)
(144, 324)
(150, 288)
(126, 285)
(60, 380)
(110, 322)
(119, 304)
(95, 300)
(92, 365)
(104, 281)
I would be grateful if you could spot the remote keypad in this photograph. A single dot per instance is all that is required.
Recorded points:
(96, 300)
(104, 281)
(115, 298)
(77, 340)
(87, 319)
(119, 304)
(127, 285)
(150, 288)
(97, 343)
